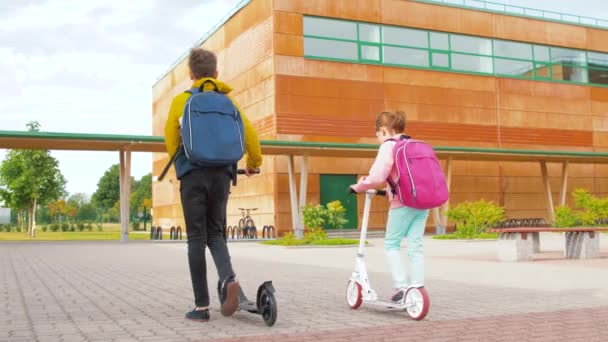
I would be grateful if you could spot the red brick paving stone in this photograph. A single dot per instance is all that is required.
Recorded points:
(565, 325)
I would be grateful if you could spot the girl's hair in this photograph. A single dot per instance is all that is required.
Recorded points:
(391, 120)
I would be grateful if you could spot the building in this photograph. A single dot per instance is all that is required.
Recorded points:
(320, 70)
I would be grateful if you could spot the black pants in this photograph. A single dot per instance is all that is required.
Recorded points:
(204, 194)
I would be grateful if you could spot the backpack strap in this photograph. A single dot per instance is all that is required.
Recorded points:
(202, 87)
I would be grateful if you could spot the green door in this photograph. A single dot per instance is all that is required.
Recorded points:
(335, 187)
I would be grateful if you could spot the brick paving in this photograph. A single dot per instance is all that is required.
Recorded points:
(139, 291)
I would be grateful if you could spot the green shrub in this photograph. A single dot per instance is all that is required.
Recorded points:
(45, 228)
(99, 227)
(317, 216)
(473, 218)
(134, 225)
(72, 227)
(565, 217)
(65, 227)
(17, 229)
(80, 226)
(55, 227)
(90, 226)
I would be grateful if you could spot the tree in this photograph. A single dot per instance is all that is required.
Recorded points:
(30, 178)
(108, 188)
(78, 199)
(141, 190)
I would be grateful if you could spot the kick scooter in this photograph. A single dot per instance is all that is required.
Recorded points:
(414, 300)
(266, 303)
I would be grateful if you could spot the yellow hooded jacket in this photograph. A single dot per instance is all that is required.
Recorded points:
(172, 128)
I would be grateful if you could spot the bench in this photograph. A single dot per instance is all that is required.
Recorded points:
(519, 244)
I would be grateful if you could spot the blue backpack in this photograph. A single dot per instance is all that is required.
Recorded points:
(212, 129)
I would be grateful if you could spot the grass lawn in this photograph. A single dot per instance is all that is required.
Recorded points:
(482, 236)
(111, 231)
(326, 242)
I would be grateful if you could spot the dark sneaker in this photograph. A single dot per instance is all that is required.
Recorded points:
(397, 295)
(198, 315)
(230, 296)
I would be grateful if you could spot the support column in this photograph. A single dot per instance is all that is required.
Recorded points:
(303, 192)
(547, 184)
(125, 193)
(564, 187)
(293, 196)
(448, 180)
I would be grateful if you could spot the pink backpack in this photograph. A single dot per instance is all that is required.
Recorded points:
(420, 181)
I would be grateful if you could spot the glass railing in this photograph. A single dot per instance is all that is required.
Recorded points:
(524, 12)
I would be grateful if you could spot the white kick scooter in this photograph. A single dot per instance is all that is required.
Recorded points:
(415, 300)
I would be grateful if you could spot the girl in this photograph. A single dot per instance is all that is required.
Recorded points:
(402, 221)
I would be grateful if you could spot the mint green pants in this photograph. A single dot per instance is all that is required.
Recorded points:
(409, 223)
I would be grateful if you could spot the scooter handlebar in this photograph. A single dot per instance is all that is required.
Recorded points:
(370, 192)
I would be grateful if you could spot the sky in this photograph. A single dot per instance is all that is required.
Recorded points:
(89, 66)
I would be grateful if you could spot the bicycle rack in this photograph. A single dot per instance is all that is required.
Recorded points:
(266, 232)
(172, 233)
(152, 232)
(178, 231)
(159, 233)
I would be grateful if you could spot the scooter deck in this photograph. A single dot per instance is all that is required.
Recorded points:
(249, 306)
(385, 304)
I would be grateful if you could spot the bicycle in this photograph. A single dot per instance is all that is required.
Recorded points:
(246, 225)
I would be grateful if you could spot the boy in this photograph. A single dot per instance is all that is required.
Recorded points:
(204, 193)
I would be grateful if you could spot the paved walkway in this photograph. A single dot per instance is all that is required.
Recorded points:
(139, 291)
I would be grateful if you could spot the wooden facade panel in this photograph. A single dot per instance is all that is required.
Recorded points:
(288, 23)
(544, 104)
(297, 66)
(252, 15)
(600, 139)
(599, 108)
(364, 10)
(436, 17)
(600, 123)
(330, 88)
(596, 40)
(325, 165)
(572, 36)
(599, 94)
(473, 169)
(476, 184)
(256, 93)
(439, 96)
(257, 41)
(542, 89)
(515, 118)
(289, 45)
(427, 78)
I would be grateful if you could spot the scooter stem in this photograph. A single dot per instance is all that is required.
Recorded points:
(366, 209)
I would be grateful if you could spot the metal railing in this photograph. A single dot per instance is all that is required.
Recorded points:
(524, 11)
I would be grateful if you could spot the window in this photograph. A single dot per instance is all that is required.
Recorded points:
(541, 53)
(330, 28)
(369, 33)
(330, 49)
(440, 41)
(369, 43)
(405, 56)
(441, 60)
(512, 50)
(509, 67)
(471, 63)
(469, 44)
(405, 37)
(370, 52)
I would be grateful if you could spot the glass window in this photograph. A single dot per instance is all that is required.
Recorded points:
(570, 73)
(541, 53)
(512, 50)
(330, 28)
(439, 41)
(597, 59)
(405, 56)
(568, 56)
(542, 70)
(598, 76)
(471, 63)
(406, 37)
(513, 68)
(330, 49)
(468, 44)
(441, 60)
(369, 33)
(370, 52)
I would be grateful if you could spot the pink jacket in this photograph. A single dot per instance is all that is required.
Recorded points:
(383, 167)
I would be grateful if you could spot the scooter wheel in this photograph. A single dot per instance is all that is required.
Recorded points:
(268, 307)
(354, 296)
(418, 302)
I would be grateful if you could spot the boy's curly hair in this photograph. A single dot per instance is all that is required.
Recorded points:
(202, 63)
